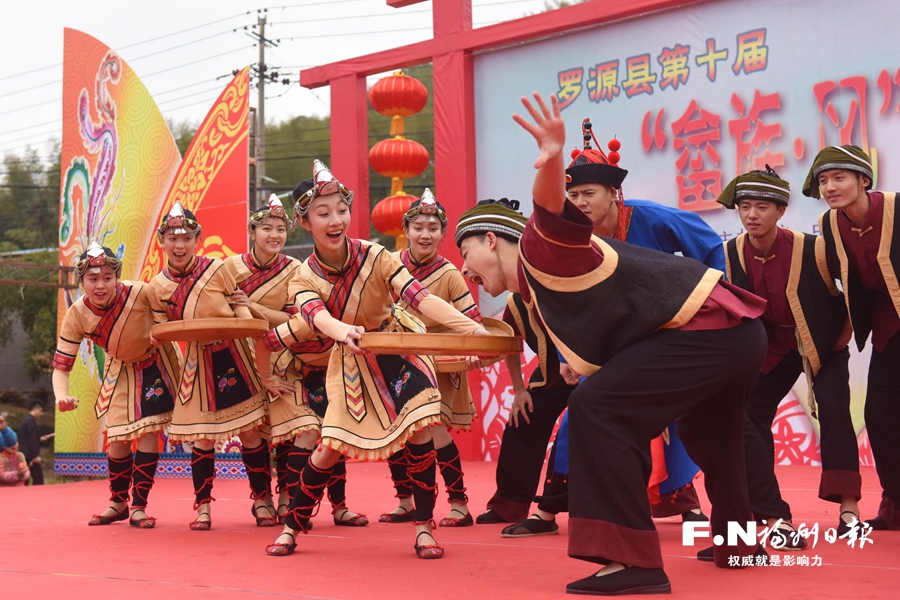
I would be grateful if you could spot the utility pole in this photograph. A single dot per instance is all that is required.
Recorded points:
(261, 113)
(262, 73)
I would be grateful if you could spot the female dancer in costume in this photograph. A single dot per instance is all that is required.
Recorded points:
(377, 404)
(139, 382)
(425, 224)
(220, 393)
(262, 277)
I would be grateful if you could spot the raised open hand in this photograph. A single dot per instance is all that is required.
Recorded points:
(548, 129)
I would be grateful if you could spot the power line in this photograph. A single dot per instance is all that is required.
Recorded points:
(193, 104)
(347, 17)
(14, 149)
(58, 121)
(409, 120)
(184, 87)
(130, 61)
(329, 35)
(55, 121)
(293, 83)
(199, 60)
(21, 108)
(235, 16)
(164, 50)
(30, 71)
(186, 30)
(191, 95)
(34, 135)
(34, 87)
(30, 127)
(147, 41)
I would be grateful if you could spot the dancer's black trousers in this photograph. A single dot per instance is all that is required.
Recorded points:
(840, 454)
(522, 452)
(883, 425)
(702, 379)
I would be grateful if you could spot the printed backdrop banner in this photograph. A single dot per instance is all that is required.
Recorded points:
(697, 96)
(121, 171)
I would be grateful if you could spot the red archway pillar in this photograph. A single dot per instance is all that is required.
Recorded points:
(350, 146)
(454, 156)
(455, 182)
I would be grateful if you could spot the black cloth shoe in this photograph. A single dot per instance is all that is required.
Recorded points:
(530, 528)
(843, 526)
(784, 540)
(489, 517)
(706, 555)
(692, 516)
(878, 524)
(630, 580)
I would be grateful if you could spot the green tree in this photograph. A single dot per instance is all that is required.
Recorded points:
(41, 342)
(34, 309)
(29, 192)
(28, 201)
(291, 146)
(183, 131)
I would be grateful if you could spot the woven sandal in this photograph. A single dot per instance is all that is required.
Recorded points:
(99, 520)
(277, 549)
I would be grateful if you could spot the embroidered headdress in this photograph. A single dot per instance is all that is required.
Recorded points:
(179, 220)
(323, 183)
(96, 257)
(274, 209)
(427, 205)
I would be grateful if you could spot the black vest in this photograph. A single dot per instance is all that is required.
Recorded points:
(633, 293)
(537, 339)
(816, 304)
(859, 299)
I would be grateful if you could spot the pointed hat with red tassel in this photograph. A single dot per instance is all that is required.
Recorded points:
(591, 165)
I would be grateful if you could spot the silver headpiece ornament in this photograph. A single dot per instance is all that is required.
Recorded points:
(178, 221)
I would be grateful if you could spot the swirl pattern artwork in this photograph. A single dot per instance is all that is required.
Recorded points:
(121, 169)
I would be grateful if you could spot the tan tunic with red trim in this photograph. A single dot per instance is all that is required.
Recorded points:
(441, 277)
(212, 370)
(140, 381)
(267, 285)
(375, 402)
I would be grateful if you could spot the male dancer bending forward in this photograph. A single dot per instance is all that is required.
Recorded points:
(676, 343)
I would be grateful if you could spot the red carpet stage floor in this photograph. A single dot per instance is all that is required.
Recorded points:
(49, 551)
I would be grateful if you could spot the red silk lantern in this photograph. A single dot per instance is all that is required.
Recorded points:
(387, 216)
(398, 157)
(398, 95)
